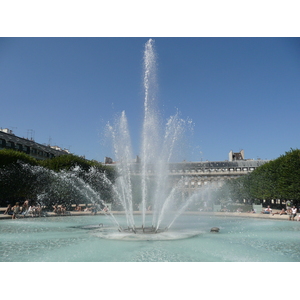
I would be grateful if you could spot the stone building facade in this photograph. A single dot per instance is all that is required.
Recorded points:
(196, 175)
(10, 141)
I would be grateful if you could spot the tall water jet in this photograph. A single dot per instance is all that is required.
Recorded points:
(150, 135)
(158, 148)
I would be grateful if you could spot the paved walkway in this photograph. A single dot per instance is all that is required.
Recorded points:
(219, 214)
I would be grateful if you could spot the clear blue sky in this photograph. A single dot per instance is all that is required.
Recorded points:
(240, 93)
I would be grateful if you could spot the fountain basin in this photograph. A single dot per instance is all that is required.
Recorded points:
(144, 230)
(64, 239)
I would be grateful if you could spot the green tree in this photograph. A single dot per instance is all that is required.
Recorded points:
(277, 179)
(62, 179)
(9, 156)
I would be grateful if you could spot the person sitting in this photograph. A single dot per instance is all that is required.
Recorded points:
(25, 207)
(94, 210)
(38, 210)
(8, 210)
(31, 210)
(282, 212)
(268, 210)
(56, 209)
(77, 207)
(63, 209)
(16, 210)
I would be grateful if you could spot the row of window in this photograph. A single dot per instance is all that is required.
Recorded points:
(194, 184)
(27, 149)
(207, 170)
(245, 169)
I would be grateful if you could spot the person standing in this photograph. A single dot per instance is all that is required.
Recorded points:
(293, 213)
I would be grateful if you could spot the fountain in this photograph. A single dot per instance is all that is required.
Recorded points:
(158, 148)
(163, 233)
(143, 185)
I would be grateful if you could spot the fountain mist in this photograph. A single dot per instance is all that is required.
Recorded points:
(159, 145)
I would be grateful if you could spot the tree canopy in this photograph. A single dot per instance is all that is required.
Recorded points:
(8, 156)
(22, 176)
(277, 179)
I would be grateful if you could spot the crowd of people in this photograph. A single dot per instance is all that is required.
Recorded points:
(291, 211)
(59, 209)
(93, 209)
(16, 211)
(33, 209)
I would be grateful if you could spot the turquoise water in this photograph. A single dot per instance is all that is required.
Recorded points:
(64, 239)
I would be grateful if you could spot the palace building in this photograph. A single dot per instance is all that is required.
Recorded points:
(199, 174)
(10, 141)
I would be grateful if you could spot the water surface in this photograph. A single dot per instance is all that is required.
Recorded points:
(75, 239)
